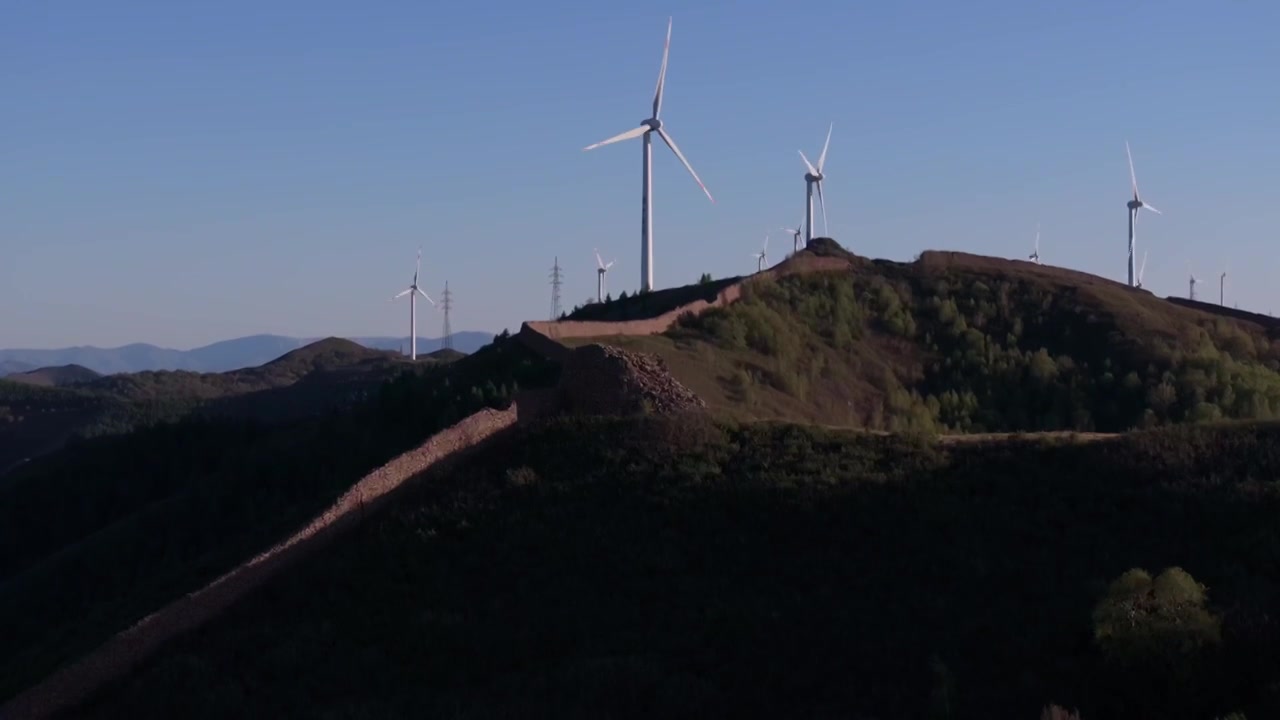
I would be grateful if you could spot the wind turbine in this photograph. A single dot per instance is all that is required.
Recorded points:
(1134, 205)
(795, 237)
(1222, 286)
(1193, 281)
(1142, 269)
(602, 269)
(646, 129)
(413, 291)
(1035, 256)
(812, 178)
(762, 256)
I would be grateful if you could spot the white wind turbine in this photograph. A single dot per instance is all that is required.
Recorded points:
(814, 177)
(602, 269)
(413, 291)
(646, 129)
(1035, 256)
(763, 256)
(1142, 268)
(1134, 205)
(1194, 280)
(795, 237)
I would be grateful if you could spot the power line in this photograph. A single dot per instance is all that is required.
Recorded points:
(448, 305)
(556, 281)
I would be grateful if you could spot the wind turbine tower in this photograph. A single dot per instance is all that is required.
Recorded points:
(447, 305)
(1222, 288)
(602, 269)
(645, 131)
(1035, 255)
(556, 280)
(763, 256)
(813, 179)
(413, 291)
(1134, 205)
(1193, 283)
(795, 237)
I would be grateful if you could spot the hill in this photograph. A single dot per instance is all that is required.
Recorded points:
(105, 531)
(658, 567)
(218, 357)
(963, 343)
(327, 374)
(54, 376)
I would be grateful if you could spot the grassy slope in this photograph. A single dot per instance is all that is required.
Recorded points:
(965, 343)
(96, 536)
(653, 568)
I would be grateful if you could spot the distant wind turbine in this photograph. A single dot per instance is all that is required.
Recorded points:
(1222, 286)
(1134, 205)
(762, 256)
(1194, 280)
(795, 236)
(1142, 269)
(813, 178)
(1035, 255)
(646, 129)
(413, 291)
(602, 269)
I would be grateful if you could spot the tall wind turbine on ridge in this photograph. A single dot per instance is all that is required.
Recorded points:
(762, 257)
(646, 129)
(813, 178)
(602, 269)
(413, 292)
(1035, 255)
(1134, 205)
(795, 233)
(1142, 268)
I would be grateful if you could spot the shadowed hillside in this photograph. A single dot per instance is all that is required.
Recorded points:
(645, 567)
(54, 376)
(963, 343)
(110, 528)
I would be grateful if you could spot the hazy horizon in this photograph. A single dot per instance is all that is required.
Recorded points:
(183, 175)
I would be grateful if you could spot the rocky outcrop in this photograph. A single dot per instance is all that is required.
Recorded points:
(606, 380)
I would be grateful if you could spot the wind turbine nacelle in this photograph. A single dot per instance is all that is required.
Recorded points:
(653, 123)
(1134, 204)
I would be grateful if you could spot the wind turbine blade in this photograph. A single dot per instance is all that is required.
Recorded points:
(599, 262)
(766, 244)
(1143, 268)
(402, 294)
(637, 132)
(1133, 176)
(662, 74)
(1037, 237)
(812, 169)
(789, 230)
(822, 159)
(1151, 209)
(610, 264)
(433, 302)
(825, 230)
(675, 149)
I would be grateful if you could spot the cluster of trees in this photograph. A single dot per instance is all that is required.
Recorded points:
(94, 537)
(656, 567)
(963, 352)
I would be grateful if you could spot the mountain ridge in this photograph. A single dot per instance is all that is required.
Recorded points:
(221, 356)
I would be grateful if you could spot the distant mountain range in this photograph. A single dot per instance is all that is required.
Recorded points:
(222, 356)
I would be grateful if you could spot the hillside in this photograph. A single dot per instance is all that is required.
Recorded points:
(218, 357)
(963, 343)
(112, 527)
(331, 373)
(54, 376)
(649, 567)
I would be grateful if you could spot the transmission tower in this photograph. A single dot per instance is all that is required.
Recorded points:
(448, 305)
(556, 281)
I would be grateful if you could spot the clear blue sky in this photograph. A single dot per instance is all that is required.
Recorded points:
(180, 173)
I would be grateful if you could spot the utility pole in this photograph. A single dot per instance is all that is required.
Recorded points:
(556, 281)
(448, 305)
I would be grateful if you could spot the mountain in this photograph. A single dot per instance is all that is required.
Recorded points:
(8, 367)
(250, 351)
(54, 376)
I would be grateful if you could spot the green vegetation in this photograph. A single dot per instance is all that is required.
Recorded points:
(973, 349)
(96, 536)
(653, 567)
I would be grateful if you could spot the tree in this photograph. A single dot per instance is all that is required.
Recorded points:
(704, 278)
